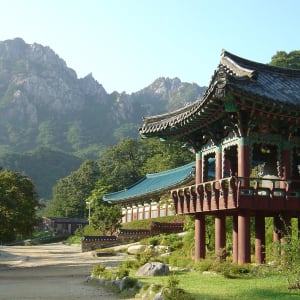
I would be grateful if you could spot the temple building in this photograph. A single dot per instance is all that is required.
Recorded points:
(247, 123)
(143, 200)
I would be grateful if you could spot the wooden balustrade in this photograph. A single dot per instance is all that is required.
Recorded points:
(232, 192)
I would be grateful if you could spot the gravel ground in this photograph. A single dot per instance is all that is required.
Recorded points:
(53, 271)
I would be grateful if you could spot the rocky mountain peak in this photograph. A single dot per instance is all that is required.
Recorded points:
(43, 102)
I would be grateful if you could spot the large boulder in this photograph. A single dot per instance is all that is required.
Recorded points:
(153, 269)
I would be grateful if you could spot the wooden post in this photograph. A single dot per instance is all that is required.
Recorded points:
(199, 218)
(260, 239)
(198, 169)
(199, 236)
(218, 163)
(244, 160)
(220, 236)
(235, 239)
(243, 238)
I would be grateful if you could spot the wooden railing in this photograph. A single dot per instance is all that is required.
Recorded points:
(231, 193)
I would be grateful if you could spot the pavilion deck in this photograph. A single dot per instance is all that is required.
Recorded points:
(235, 193)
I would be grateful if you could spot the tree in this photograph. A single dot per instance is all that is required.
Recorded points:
(70, 193)
(120, 166)
(162, 156)
(18, 205)
(105, 217)
(286, 60)
(129, 160)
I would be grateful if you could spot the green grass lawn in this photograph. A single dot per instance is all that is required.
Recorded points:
(217, 287)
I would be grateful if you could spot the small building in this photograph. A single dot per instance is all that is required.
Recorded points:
(248, 122)
(63, 226)
(142, 200)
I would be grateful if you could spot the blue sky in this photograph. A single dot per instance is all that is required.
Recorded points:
(127, 44)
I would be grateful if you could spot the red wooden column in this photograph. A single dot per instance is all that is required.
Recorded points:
(243, 216)
(220, 221)
(235, 239)
(199, 218)
(243, 238)
(199, 236)
(220, 236)
(198, 168)
(260, 239)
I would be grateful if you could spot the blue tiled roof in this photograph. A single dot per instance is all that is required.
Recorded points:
(153, 183)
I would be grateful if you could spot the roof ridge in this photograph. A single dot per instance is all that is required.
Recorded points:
(244, 63)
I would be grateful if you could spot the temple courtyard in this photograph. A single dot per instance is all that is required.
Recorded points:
(52, 271)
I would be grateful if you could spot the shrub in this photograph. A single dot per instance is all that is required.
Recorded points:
(122, 272)
(172, 292)
(204, 265)
(129, 264)
(130, 282)
(146, 256)
(98, 270)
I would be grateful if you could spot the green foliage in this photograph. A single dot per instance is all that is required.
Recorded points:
(148, 255)
(107, 218)
(161, 156)
(44, 166)
(289, 257)
(98, 270)
(286, 60)
(18, 204)
(126, 131)
(71, 192)
(130, 264)
(87, 230)
(120, 166)
(173, 292)
(173, 241)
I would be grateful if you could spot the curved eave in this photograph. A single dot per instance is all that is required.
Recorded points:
(278, 86)
(174, 123)
(151, 195)
(153, 184)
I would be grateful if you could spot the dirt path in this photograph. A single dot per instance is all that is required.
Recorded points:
(53, 271)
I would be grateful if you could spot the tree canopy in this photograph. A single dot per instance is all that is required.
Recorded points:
(119, 167)
(18, 205)
(286, 60)
(70, 193)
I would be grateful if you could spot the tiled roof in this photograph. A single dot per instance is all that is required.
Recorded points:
(274, 86)
(154, 183)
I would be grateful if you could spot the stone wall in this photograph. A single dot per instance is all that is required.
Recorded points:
(89, 243)
(125, 236)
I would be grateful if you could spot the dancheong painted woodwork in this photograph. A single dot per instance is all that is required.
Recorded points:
(247, 127)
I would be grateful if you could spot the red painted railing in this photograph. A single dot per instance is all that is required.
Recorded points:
(237, 192)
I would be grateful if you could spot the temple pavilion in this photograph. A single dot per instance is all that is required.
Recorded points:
(143, 200)
(247, 123)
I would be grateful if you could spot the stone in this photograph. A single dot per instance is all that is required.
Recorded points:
(153, 269)
(135, 249)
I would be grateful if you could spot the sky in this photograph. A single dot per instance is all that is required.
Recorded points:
(127, 44)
